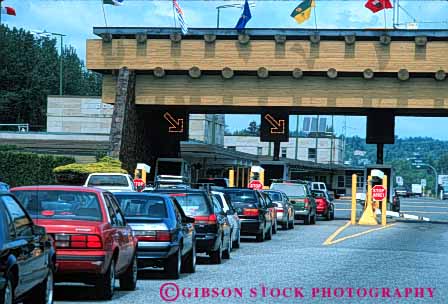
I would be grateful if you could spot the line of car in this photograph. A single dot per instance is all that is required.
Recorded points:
(93, 236)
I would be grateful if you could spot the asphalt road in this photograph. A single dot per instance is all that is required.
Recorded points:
(376, 267)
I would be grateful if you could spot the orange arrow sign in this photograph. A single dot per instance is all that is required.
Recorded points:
(278, 126)
(177, 125)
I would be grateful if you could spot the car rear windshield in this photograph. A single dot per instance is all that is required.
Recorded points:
(318, 194)
(275, 196)
(220, 182)
(108, 180)
(142, 206)
(193, 204)
(242, 197)
(291, 190)
(59, 204)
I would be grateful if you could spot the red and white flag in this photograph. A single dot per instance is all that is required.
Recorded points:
(6, 10)
(378, 5)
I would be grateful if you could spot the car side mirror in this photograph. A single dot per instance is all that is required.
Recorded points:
(39, 230)
(292, 202)
(189, 220)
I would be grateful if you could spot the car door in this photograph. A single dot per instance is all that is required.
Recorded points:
(186, 228)
(31, 258)
(221, 217)
(123, 234)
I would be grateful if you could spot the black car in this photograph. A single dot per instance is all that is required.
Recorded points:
(213, 231)
(253, 211)
(27, 256)
(166, 236)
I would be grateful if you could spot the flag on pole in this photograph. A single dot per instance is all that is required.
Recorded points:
(303, 11)
(245, 17)
(378, 5)
(113, 2)
(180, 17)
(6, 10)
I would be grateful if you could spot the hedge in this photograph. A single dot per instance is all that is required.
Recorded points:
(76, 174)
(23, 168)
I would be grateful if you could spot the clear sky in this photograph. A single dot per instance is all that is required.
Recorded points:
(75, 18)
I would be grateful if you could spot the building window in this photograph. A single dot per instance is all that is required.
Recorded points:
(360, 182)
(341, 181)
(284, 152)
(231, 148)
(312, 153)
(259, 150)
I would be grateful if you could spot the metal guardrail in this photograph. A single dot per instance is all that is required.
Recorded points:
(20, 127)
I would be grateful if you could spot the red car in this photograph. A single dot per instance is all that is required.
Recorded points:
(324, 206)
(94, 244)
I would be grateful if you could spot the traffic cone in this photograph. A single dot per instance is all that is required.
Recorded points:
(368, 217)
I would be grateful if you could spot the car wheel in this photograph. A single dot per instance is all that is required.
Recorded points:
(237, 242)
(261, 236)
(269, 236)
(7, 294)
(307, 219)
(128, 281)
(105, 285)
(216, 256)
(274, 227)
(332, 214)
(42, 293)
(190, 262)
(174, 264)
(313, 219)
(226, 253)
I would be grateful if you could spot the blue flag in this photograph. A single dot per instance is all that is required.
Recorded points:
(245, 17)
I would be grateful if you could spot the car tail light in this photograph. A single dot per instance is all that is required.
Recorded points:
(279, 210)
(205, 220)
(250, 212)
(78, 241)
(153, 235)
(306, 201)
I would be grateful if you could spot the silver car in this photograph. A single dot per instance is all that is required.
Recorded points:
(285, 211)
(232, 216)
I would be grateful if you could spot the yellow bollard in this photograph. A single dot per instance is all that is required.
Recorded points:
(384, 203)
(353, 215)
(368, 217)
(262, 176)
(231, 178)
(144, 176)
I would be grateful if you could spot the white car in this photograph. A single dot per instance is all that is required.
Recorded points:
(232, 216)
(113, 182)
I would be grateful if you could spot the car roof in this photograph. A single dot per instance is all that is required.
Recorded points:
(60, 188)
(236, 189)
(179, 190)
(124, 174)
(148, 194)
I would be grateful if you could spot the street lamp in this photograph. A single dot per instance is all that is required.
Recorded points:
(48, 35)
(236, 5)
(419, 165)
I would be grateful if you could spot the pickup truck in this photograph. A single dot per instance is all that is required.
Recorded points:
(113, 182)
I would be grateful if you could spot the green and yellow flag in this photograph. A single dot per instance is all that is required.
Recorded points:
(303, 11)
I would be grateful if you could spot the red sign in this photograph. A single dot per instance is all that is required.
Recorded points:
(139, 184)
(378, 193)
(256, 185)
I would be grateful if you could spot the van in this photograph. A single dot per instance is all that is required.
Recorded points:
(319, 186)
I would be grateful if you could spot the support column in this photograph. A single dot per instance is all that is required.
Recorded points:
(123, 135)
(380, 154)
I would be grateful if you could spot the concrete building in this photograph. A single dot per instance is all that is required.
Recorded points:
(327, 150)
(89, 115)
(76, 114)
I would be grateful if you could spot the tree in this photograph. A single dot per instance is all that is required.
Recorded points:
(29, 72)
(253, 129)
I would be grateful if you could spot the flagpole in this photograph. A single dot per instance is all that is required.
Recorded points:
(315, 18)
(174, 16)
(104, 14)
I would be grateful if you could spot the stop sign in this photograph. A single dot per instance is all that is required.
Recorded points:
(256, 185)
(378, 193)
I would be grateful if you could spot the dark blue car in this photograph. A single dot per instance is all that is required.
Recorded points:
(166, 236)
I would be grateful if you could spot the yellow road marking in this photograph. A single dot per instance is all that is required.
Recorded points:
(330, 240)
(335, 234)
